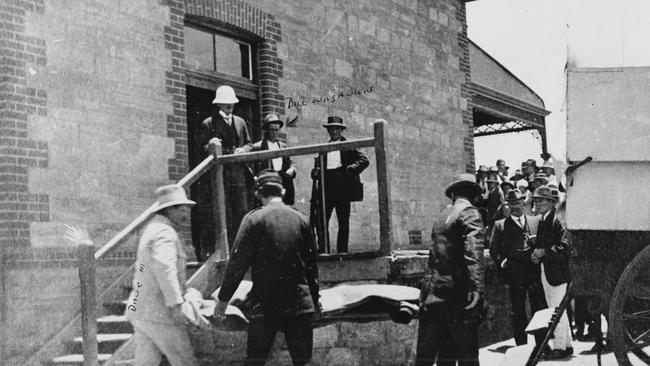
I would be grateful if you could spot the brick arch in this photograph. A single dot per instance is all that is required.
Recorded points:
(244, 16)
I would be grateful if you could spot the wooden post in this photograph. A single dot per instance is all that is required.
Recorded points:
(218, 201)
(87, 269)
(323, 211)
(383, 188)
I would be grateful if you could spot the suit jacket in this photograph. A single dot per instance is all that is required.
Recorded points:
(276, 242)
(287, 180)
(508, 241)
(160, 278)
(353, 162)
(214, 126)
(552, 237)
(456, 258)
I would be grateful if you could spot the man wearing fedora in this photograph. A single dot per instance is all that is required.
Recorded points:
(494, 197)
(271, 128)
(451, 297)
(511, 246)
(552, 250)
(342, 182)
(276, 242)
(233, 131)
(154, 306)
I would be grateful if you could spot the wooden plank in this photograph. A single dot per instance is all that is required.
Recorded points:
(294, 151)
(218, 201)
(383, 188)
(87, 270)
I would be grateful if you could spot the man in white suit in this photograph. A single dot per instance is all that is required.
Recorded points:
(154, 307)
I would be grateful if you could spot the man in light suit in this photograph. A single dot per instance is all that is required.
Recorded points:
(271, 127)
(552, 250)
(233, 131)
(154, 307)
(511, 246)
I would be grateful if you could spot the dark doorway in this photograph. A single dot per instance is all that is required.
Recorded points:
(200, 107)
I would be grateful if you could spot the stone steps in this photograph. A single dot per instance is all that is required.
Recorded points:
(112, 330)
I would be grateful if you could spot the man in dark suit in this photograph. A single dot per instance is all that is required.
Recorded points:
(235, 138)
(342, 182)
(276, 242)
(552, 250)
(511, 246)
(451, 296)
(271, 128)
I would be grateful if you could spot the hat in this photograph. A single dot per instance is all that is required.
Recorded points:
(333, 121)
(532, 162)
(492, 178)
(482, 168)
(462, 180)
(171, 195)
(515, 195)
(508, 183)
(268, 176)
(522, 183)
(272, 118)
(225, 95)
(547, 164)
(547, 193)
(541, 176)
(493, 169)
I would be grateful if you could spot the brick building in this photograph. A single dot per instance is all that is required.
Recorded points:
(99, 101)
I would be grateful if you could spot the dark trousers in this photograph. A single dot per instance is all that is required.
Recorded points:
(298, 333)
(336, 184)
(518, 294)
(448, 334)
(343, 217)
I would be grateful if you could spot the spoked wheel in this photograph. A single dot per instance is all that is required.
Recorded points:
(629, 313)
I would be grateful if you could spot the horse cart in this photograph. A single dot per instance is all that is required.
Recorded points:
(608, 201)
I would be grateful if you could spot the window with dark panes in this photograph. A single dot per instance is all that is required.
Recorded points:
(208, 51)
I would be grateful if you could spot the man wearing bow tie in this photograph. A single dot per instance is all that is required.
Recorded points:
(233, 131)
(511, 246)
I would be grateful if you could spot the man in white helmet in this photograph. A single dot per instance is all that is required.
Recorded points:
(234, 133)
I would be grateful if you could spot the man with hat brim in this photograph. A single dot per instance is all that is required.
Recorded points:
(494, 199)
(481, 177)
(234, 133)
(342, 181)
(155, 304)
(450, 305)
(511, 246)
(549, 170)
(539, 179)
(552, 250)
(284, 166)
(276, 242)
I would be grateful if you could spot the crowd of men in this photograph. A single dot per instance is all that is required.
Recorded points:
(514, 216)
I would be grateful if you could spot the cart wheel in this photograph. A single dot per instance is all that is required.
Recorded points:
(629, 313)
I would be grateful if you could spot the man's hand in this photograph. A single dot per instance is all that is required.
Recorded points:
(473, 298)
(220, 310)
(537, 255)
(177, 314)
(239, 150)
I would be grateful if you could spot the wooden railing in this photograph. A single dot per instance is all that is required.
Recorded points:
(213, 164)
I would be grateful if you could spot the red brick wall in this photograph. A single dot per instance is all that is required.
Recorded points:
(18, 152)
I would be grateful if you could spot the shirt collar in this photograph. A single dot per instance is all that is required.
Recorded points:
(225, 116)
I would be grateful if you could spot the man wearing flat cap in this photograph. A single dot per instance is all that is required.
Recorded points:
(154, 306)
(511, 246)
(452, 291)
(271, 128)
(342, 182)
(233, 131)
(276, 242)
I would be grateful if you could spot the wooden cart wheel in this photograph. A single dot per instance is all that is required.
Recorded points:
(629, 313)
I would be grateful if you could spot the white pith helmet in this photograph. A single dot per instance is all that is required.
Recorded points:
(225, 95)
